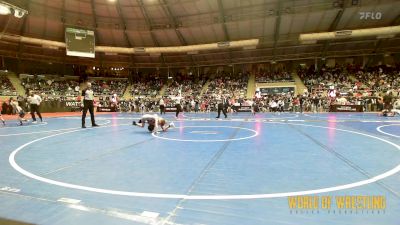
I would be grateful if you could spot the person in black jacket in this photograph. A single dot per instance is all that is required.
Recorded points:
(302, 100)
(88, 98)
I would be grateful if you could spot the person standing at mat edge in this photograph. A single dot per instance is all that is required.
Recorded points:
(162, 106)
(88, 98)
(34, 102)
(222, 106)
(178, 105)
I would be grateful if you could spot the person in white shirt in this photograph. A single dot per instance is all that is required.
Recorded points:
(332, 93)
(155, 122)
(396, 104)
(114, 100)
(34, 101)
(273, 105)
(142, 107)
(396, 107)
(192, 104)
(20, 112)
(341, 100)
(389, 113)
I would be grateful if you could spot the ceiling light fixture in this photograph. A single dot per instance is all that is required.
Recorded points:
(7, 9)
(379, 32)
(4, 9)
(18, 13)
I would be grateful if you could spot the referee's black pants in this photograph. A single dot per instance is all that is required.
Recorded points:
(88, 105)
(35, 108)
(162, 109)
(178, 109)
(222, 108)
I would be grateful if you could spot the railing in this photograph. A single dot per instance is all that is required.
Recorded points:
(8, 93)
(275, 81)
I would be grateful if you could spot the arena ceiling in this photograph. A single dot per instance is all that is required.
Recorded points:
(158, 23)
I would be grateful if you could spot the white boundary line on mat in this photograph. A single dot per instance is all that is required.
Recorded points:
(379, 129)
(255, 133)
(376, 178)
(48, 131)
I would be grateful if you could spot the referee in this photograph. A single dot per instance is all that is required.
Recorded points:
(222, 106)
(88, 98)
(162, 106)
(34, 101)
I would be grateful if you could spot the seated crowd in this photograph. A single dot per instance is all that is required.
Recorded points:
(146, 86)
(353, 80)
(228, 84)
(6, 87)
(321, 81)
(108, 87)
(353, 85)
(341, 85)
(381, 78)
(185, 85)
(50, 87)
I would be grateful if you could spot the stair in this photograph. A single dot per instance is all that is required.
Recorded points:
(127, 94)
(16, 82)
(300, 87)
(353, 78)
(251, 86)
(204, 88)
(163, 88)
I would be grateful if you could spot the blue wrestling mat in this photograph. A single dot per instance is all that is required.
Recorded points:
(267, 169)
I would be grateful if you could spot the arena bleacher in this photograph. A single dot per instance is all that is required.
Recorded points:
(354, 86)
(6, 87)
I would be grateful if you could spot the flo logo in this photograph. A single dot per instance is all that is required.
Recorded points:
(370, 15)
